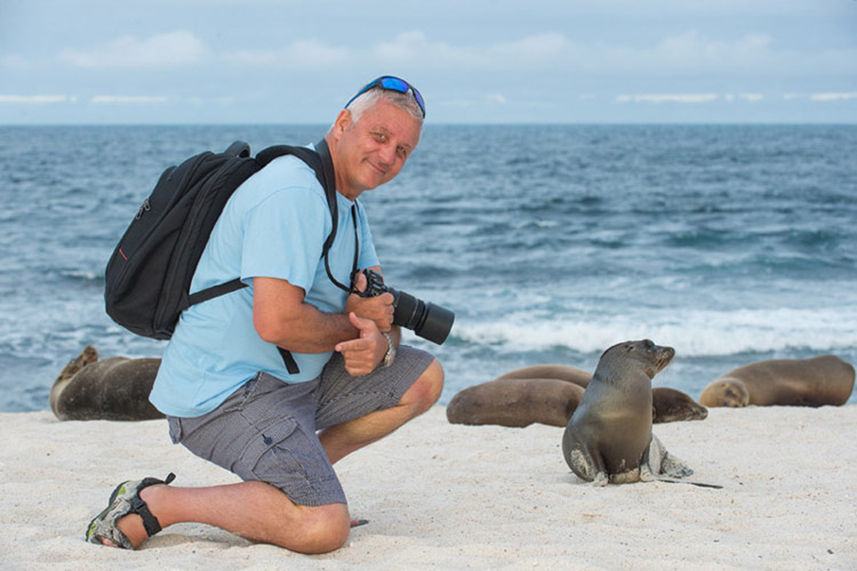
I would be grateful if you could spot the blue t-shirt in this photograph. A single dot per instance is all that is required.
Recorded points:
(274, 225)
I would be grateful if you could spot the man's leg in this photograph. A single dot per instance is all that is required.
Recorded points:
(264, 432)
(261, 512)
(254, 510)
(340, 440)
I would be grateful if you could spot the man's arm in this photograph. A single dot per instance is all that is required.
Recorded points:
(281, 316)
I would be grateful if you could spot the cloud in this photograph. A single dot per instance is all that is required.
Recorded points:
(532, 50)
(685, 53)
(172, 49)
(409, 46)
(668, 98)
(307, 54)
(749, 97)
(825, 97)
(414, 48)
(692, 49)
(36, 99)
(128, 99)
(14, 61)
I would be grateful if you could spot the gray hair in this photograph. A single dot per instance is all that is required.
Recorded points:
(404, 101)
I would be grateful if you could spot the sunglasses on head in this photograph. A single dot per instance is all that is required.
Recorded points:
(391, 83)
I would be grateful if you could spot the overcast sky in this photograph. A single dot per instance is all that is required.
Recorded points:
(479, 61)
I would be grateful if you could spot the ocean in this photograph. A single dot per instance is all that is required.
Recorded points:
(732, 244)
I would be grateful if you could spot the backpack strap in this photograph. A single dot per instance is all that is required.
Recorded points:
(321, 162)
(215, 291)
(328, 182)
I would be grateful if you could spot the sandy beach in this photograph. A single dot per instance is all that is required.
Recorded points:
(442, 496)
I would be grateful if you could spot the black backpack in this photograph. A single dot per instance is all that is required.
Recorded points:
(148, 277)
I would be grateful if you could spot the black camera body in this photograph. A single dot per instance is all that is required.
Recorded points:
(427, 320)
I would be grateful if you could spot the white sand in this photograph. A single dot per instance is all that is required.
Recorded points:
(450, 497)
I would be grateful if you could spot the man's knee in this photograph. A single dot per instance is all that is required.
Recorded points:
(426, 390)
(323, 529)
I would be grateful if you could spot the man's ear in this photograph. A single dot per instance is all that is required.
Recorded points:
(342, 123)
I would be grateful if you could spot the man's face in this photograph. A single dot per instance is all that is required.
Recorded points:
(373, 150)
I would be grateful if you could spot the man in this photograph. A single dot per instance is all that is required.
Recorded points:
(224, 385)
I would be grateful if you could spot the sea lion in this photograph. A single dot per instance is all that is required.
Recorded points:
(819, 381)
(515, 402)
(561, 372)
(609, 436)
(536, 395)
(671, 405)
(113, 389)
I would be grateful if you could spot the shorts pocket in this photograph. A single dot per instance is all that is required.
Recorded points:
(264, 441)
(285, 457)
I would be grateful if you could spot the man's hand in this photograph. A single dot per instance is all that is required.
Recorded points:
(364, 354)
(378, 309)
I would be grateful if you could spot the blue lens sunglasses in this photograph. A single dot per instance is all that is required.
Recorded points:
(391, 83)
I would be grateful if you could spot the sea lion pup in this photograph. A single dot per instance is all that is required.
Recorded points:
(113, 389)
(819, 381)
(609, 436)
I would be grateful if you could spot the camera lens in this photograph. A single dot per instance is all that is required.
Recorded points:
(429, 321)
(437, 323)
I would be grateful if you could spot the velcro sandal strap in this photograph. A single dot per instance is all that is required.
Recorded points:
(138, 506)
(150, 522)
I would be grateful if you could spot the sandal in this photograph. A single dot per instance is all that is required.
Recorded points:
(125, 500)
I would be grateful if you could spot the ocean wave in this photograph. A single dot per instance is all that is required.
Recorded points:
(698, 333)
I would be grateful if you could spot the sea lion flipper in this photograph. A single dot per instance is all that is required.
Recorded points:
(674, 467)
(660, 461)
(584, 460)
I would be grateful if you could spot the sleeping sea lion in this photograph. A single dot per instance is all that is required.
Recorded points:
(113, 389)
(819, 381)
(671, 405)
(515, 402)
(561, 372)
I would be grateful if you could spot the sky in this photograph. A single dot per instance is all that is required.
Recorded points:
(475, 61)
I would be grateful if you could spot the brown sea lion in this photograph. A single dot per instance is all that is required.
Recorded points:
(609, 436)
(515, 402)
(532, 395)
(563, 373)
(113, 389)
(819, 381)
(671, 405)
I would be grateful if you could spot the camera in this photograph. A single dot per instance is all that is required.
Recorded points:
(427, 320)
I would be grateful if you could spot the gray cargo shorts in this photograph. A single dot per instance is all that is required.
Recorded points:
(266, 430)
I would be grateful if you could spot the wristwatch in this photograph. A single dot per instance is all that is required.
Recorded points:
(391, 351)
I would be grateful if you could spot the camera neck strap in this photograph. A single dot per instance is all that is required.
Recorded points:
(329, 183)
(336, 282)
